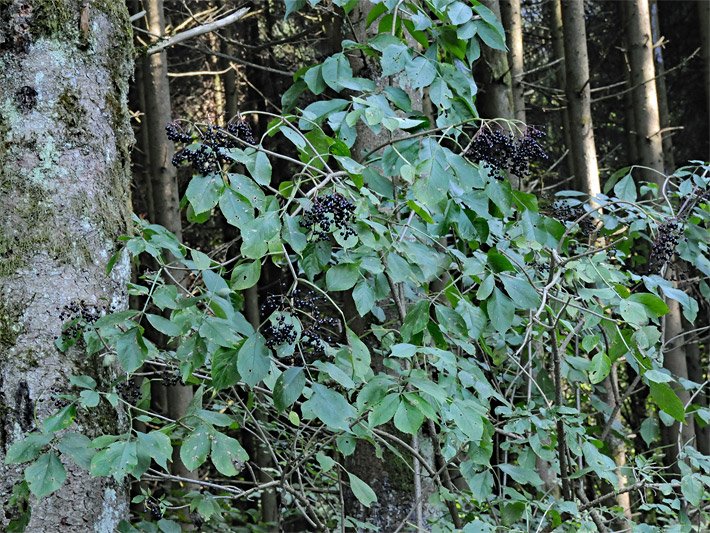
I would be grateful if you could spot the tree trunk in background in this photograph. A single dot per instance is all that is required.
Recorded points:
(675, 360)
(495, 94)
(510, 11)
(704, 20)
(698, 373)
(584, 153)
(645, 96)
(663, 113)
(558, 48)
(617, 445)
(164, 181)
(632, 151)
(65, 194)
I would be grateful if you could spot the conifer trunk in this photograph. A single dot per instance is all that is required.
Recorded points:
(512, 21)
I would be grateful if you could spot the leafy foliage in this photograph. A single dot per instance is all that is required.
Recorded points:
(487, 316)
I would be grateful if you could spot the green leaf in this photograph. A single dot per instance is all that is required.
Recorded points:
(521, 292)
(395, 58)
(329, 407)
(655, 306)
(195, 448)
(501, 311)
(489, 35)
(157, 445)
(361, 490)
(131, 350)
(467, 420)
(665, 398)
(45, 475)
(260, 168)
(342, 277)
(253, 362)
(226, 453)
(246, 275)
(203, 192)
(116, 461)
(626, 189)
(84, 382)
(163, 325)
(459, 13)
(364, 297)
(407, 418)
(27, 449)
(420, 72)
(633, 312)
(78, 447)
(224, 368)
(257, 234)
(60, 420)
(288, 387)
(522, 475)
(600, 367)
(89, 398)
(384, 410)
(474, 318)
(692, 489)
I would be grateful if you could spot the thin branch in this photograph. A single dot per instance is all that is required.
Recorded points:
(199, 30)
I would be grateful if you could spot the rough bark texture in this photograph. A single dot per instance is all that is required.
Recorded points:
(495, 95)
(513, 23)
(64, 187)
(644, 94)
(584, 153)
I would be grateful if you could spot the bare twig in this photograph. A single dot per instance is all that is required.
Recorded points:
(199, 30)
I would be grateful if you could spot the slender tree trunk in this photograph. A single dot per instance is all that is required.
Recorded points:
(558, 48)
(512, 21)
(663, 113)
(644, 92)
(495, 96)
(674, 359)
(617, 446)
(584, 153)
(164, 182)
(699, 374)
(65, 140)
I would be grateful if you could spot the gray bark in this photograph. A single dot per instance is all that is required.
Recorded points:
(495, 96)
(513, 23)
(64, 187)
(558, 47)
(663, 111)
(584, 153)
(645, 96)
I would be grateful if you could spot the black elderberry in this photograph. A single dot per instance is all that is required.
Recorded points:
(499, 151)
(663, 247)
(242, 130)
(566, 212)
(171, 377)
(153, 508)
(175, 133)
(129, 391)
(332, 212)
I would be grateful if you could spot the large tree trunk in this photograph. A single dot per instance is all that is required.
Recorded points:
(584, 153)
(513, 23)
(644, 92)
(558, 48)
(164, 183)
(704, 21)
(64, 187)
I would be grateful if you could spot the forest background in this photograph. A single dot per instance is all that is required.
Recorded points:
(405, 265)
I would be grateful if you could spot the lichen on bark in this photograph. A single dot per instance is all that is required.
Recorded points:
(65, 140)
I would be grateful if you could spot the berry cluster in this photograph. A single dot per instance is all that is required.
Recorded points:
(664, 246)
(77, 315)
(500, 151)
(566, 212)
(242, 130)
(306, 306)
(171, 377)
(152, 506)
(55, 392)
(330, 212)
(212, 144)
(129, 391)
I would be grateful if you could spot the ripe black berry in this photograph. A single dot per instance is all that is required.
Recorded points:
(153, 507)
(664, 246)
(329, 213)
(129, 391)
(499, 151)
